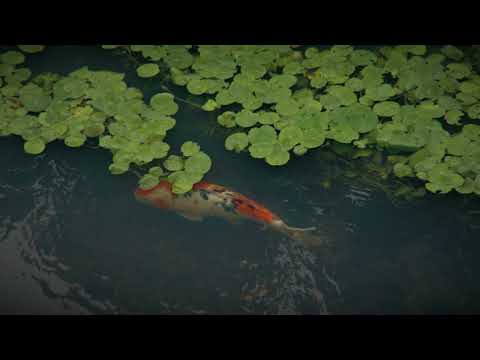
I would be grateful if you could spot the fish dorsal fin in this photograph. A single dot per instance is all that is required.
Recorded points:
(190, 216)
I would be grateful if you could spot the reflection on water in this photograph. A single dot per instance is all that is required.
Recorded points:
(35, 276)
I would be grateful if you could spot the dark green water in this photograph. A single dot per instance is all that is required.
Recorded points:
(74, 240)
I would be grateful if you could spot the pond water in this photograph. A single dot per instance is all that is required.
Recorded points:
(73, 240)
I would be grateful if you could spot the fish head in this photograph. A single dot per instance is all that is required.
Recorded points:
(160, 196)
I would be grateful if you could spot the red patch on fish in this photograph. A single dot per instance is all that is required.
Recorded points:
(146, 192)
(203, 185)
(252, 209)
(150, 194)
(243, 205)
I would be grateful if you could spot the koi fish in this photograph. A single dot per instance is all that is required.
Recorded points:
(207, 199)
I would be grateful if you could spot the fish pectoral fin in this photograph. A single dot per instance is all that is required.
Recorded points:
(190, 216)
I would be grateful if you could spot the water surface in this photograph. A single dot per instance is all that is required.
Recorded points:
(73, 240)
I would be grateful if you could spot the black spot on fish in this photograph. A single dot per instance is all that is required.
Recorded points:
(229, 207)
(204, 194)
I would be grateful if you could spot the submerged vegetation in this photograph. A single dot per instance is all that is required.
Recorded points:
(416, 105)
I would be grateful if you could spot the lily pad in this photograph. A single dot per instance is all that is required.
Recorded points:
(164, 103)
(174, 163)
(75, 140)
(263, 134)
(199, 163)
(31, 49)
(246, 118)
(190, 148)
(261, 150)
(34, 146)
(290, 136)
(386, 108)
(227, 119)
(236, 142)
(147, 70)
(453, 117)
(210, 105)
(12, 57)
(156, 171)
(278, 157)
(148, 181)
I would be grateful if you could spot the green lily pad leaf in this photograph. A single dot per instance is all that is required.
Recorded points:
(148, 70)
(106, 47)
(358, 117)
(118, 168)
(156, 171)
(199, 163)
(414, 49)
(466, 99)
(12, 57)
(362, 57)
(31, 49)
(189, 148)
(474, 111)
(467, 187)
(452, 52)
(148, 181)
(471, 88)
(300, 150)
(159, 149)
(224, 97)
(312, 138)
(164, 103)
(453, 117)
(345, 95)
(268, 117)
(182, 185)
(287, 107)
(458, 70)
(197, 86)
(449, 103)
(173, 163)
(431, 110)
(34, 146)
(380, 93)
(278, 157)
(246, 118)
(343, 133)
(75, 140)
(34, 98)
(261, 150)
(290, 136)
(236, 142)
(355, 84)
(20, 75)
(442, 179)
(94, 130)
(210, 105)
(227, 119)
(402, 170)
(386, 108)
(471, 131)
(263, 134)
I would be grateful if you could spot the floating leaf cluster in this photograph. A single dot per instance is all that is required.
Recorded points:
(181, 171)
(90, 104)
(410, 100)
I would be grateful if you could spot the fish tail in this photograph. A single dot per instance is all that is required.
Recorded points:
(305, 236)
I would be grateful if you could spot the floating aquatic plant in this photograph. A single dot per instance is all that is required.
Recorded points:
(94, 104)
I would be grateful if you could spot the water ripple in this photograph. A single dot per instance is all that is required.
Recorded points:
(27, 248)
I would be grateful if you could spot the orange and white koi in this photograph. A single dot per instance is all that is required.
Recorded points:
(207, 199)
